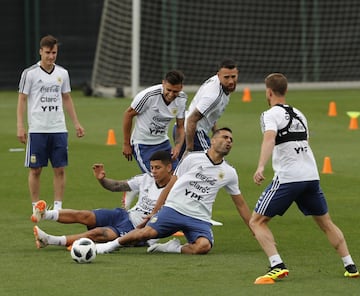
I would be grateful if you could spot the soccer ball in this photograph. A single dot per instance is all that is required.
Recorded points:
(83, 250)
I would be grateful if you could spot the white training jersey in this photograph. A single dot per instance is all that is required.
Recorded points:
(44, 98)
(152, 122)
(292, 161)
(210, 100)
(198, 183)
(148, 194)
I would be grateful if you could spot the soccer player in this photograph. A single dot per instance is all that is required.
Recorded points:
(208, 105)
(105, 224)
(154, 108)
(186, 202)
(45, 87)
(296, 179)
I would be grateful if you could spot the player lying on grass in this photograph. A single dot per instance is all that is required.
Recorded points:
(107, 224)
(186, 202)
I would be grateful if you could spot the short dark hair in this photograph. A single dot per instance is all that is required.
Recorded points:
(222, 129)
(48, 41)
(163, 156)
(228, 64)
(174, 77)
(277, 82)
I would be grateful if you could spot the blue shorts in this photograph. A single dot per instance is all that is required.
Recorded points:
(277, 198)
(201, 142)
(116, 219)
(42, 147)
(143, 153)
(168, 221)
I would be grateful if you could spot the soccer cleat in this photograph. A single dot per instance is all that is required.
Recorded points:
(351, 271)
(41, 240)
(171, 246)
(277, 272)
(39, 210)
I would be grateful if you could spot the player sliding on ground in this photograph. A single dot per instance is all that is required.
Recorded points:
(186, 202)
(105, 224)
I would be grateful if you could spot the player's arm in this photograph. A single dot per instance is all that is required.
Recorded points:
(267, 147)
(129, 114)
(20, 111)
(109, 184)
(179, 137)
(70, 109)
(242, 208)
(191, 123)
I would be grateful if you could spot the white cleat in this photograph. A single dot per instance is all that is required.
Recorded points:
(41, 239)
(172, 246)
(39, 211)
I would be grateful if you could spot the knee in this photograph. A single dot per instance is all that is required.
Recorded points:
(257, 221)
(253, 223)
(59, 172)
(35, 172)
(101, 234)
(202, 247)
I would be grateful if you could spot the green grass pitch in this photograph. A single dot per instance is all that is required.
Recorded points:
(235, 260)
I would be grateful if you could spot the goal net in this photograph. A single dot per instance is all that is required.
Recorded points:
(314, 42)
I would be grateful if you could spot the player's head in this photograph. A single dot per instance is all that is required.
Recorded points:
(222, 140)
(48, 49)
(161, 165)
(277, 83)
(48, 41)
(228, 75)
(172, 85)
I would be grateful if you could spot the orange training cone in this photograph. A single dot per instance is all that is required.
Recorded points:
(111, 137)
(327, 169)
(332, 109)
(246, 96)
(353, 123)
(353, 119)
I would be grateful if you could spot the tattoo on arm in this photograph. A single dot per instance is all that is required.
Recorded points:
(115, 185)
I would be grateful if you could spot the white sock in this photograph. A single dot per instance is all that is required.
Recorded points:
(56, 240)
(347, 260)
(51, 215)
(108, 247)
(57, 204)
(275, 260)
(176, 249)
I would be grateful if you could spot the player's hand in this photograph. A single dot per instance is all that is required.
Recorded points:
(146, 220)
(99, 172)
(175, 153)
(21, 135)
(80, 131)
(127, 152)
(258, 176)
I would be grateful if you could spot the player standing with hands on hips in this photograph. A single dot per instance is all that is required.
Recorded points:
(45, 87)
(296, 179)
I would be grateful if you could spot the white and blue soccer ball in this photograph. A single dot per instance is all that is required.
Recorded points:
(83, 250)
